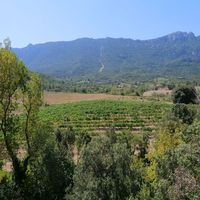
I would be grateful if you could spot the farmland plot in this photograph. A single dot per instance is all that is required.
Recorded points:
(101, 115)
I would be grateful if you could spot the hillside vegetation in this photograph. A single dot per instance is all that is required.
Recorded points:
(177, 54)
(133, 149)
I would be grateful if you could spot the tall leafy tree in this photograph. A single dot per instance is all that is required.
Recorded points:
(20, 90)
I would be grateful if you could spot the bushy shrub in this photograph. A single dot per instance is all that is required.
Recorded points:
(184, 113)
(185, 95)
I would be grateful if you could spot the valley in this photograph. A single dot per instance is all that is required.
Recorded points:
(108, 118)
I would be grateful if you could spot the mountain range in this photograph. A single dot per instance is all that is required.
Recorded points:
(176, 55)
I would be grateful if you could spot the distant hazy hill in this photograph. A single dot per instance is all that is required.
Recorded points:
(177, 54)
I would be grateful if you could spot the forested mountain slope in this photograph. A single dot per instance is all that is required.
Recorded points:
(177, 54)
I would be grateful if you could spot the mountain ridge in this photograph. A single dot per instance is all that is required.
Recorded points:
(91, 38)
(176, 54)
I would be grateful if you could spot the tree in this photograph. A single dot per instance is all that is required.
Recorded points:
(46, 169)
(173, 170)
(167, 140)
(19, 90)
(184, 113)
(185, 95)
(51, 168)
(104, 172)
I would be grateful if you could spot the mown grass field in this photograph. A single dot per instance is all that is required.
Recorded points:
(100, 115)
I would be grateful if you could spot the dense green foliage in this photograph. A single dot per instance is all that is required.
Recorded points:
(185, 95)
(173, 172)
(62, 85)
(104, 172)
(184, 113)
(118, 150)
(50, 171)
(174, 55)
(40, 168)
(17, 84)
(113, 165)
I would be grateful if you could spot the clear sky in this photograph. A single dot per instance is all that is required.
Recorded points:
(38, 21)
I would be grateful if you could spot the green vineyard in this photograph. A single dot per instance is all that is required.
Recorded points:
(99, 116)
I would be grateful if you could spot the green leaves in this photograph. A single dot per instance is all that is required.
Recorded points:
(185, 95)
(104, 171)
(18, 88)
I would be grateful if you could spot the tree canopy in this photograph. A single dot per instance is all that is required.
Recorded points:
(185, 95)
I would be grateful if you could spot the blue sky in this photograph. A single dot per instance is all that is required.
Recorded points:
(38, 21)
